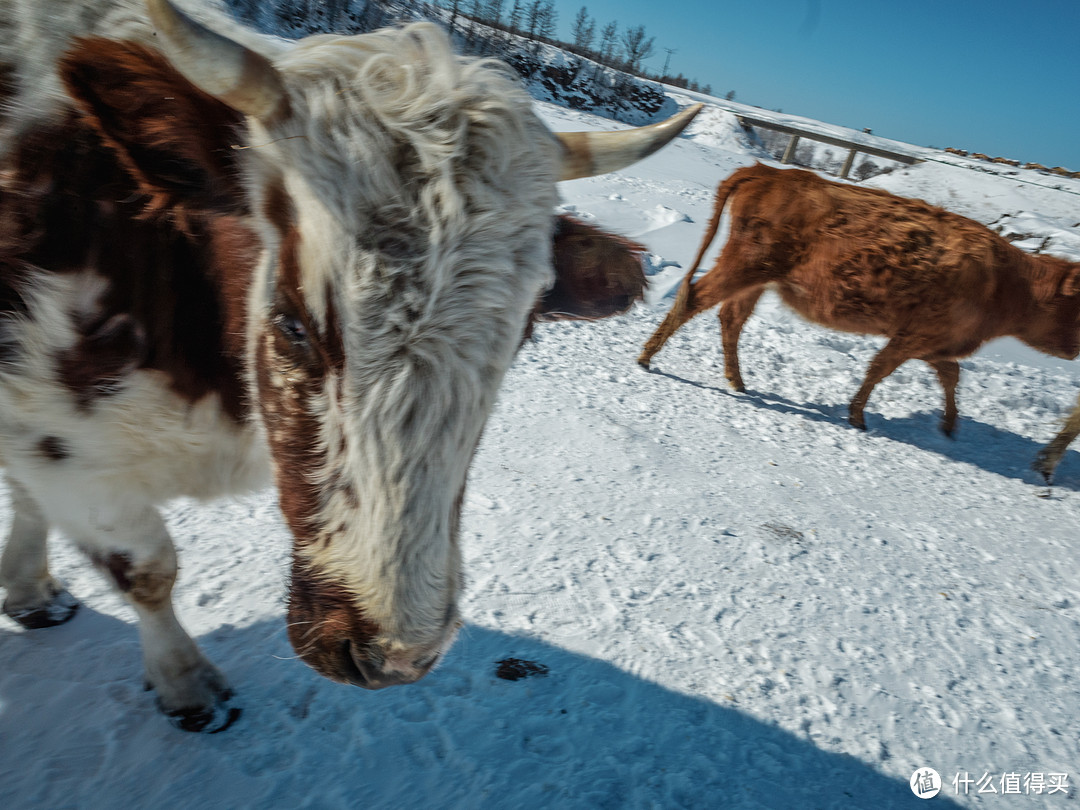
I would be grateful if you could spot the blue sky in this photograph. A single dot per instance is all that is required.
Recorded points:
(996, 77)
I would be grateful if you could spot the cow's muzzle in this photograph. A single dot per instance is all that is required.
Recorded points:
(334, 637)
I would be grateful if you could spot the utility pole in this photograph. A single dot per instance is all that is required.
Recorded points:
(670, 51)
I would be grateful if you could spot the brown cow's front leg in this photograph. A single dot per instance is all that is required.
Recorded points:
(733, 315)
(1048, 458)
(948, 372)
(884, 363)
(34, 598)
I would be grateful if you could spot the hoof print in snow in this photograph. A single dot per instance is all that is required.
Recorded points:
(514, 669)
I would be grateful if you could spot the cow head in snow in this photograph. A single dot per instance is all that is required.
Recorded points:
(403, 201)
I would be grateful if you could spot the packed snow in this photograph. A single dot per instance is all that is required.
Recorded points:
(740, 601)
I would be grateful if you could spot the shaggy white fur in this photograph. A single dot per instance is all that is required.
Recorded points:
(422, 185)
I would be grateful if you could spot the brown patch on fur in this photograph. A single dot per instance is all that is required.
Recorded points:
(118, 566)
(327, 345)
(140, 187)
(235, 247)
(597, 274)
(332, 345)
(286, 390)
(53, 448)
(326, 628)
(146, 585)
(290, 370)
(105, 354)
(278, 208)
(171, 137)
(937, 284)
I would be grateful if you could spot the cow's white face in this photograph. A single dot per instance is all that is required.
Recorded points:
(404, 201)
(405, 250)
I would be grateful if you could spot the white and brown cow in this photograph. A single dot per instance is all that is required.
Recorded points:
(222, 257)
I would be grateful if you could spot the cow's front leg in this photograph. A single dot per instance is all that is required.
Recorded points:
(135, 551)
(34, 598)
(885, 362)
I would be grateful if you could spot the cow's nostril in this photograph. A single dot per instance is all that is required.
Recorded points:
(427, 662)
(351, 669)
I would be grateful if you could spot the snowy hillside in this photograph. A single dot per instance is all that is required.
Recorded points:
(740, 601)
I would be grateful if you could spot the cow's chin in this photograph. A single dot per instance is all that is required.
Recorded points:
(332, 635)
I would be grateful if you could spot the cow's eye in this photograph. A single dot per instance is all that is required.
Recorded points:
(292, 328)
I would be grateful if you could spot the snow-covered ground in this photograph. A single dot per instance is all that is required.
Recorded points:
(740, 600)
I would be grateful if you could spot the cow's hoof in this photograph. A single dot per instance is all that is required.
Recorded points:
(1043, 466)
(857, 422)
(59, 609)
(205, 720)
(643, 363)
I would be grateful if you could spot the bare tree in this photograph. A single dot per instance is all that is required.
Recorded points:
(514, 21)
(608, 35)
(636, 47)
(454, 6)
(548, 20)
(533, 13)
(494, 10)
(867, 169)
(476, 12)
(584, 30)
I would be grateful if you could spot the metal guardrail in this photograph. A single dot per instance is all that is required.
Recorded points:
(854, 147)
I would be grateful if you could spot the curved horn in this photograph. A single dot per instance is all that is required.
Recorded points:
(589, 153)
(235, 75)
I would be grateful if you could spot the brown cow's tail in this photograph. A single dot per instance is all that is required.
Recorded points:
(680, 311)
(682, 297)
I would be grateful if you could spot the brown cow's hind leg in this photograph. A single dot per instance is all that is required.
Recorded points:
(1049, 457)
(688, 303)
(948, 372)
(724, 281)
(884, 363)
(733, 314)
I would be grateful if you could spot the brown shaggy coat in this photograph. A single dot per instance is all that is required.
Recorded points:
(936, 284)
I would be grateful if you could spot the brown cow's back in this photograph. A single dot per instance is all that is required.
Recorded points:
(875, 266)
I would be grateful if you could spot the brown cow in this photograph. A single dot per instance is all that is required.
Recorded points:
(937, 284)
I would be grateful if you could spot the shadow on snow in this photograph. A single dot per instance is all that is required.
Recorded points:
(976, 443)
(77, 730)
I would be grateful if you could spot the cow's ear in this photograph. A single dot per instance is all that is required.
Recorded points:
(175, 140)
(597, 274)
